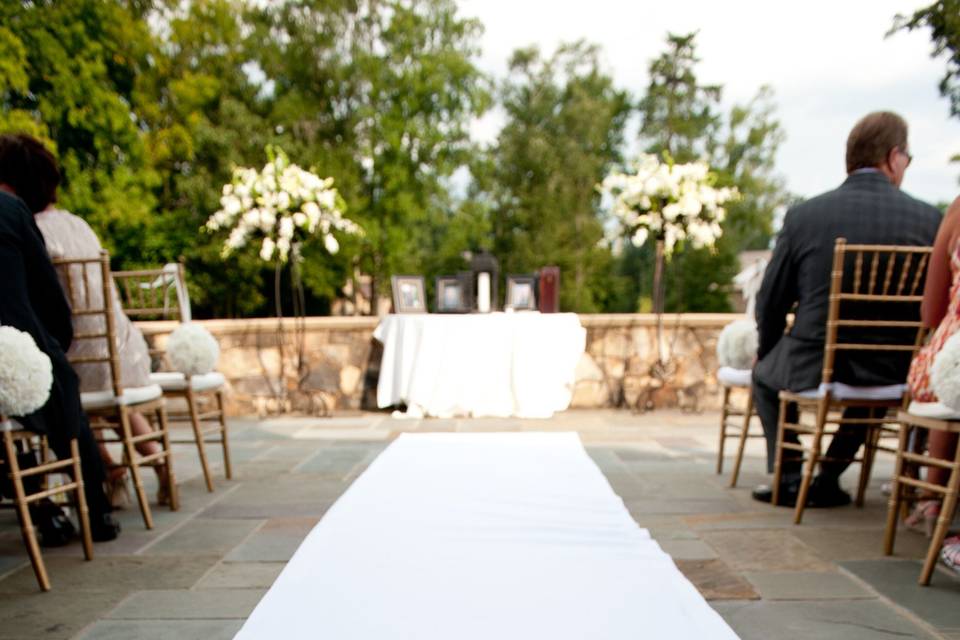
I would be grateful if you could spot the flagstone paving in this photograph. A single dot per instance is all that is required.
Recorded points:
(202, 570)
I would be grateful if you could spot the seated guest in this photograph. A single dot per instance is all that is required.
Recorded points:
(868, 208)
(33, 301)
(69, 237)
(940, 311)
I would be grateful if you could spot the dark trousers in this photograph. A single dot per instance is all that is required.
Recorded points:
(844, 445)
(94, 473)
(91, 465)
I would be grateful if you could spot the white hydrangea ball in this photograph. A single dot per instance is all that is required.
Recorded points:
(945, 373)
(737, 345)
(192, 350)
(25, 373)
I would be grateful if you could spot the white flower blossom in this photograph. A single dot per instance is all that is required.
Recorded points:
(278, 205)
(671, 202)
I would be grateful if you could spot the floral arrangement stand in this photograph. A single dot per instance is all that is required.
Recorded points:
(672, 204)
(277, 209)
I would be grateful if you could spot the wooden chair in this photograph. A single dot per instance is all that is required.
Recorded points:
(887, 281)
(923, 415)
(14, 436)
(91, 293)
(733, 380)
(148, 294)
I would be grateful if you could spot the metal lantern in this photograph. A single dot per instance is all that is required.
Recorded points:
(486, 276)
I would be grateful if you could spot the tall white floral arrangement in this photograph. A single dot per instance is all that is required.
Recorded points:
(669, 201)
(278, 206)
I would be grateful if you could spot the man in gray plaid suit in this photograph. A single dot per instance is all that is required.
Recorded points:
(868, 208)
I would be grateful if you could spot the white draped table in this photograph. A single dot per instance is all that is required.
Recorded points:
(506, 536)
(493, 364)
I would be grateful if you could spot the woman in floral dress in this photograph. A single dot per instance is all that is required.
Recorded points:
(941, 312)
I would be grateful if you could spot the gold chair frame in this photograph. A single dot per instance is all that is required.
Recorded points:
(869, 286)
(741, 428)
(904, 480)
(145, 295)
(116, 415)
(22, 500)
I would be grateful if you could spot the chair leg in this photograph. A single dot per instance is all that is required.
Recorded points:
(866, 466)
(171, 477)
(724, 412)
(896, 493)
(943, 522)
(811, 464)
(130, 457)
(744, 432)
(227, 469)
(778, 460)
(23, 514)
(83, 513)
(198, 436)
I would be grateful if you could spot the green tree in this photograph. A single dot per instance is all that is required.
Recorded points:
(685, 120)
(564, 131)
(943, 20)
(67, 74)
(386, 91)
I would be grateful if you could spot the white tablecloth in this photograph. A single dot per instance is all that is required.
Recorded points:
(456, 536)
(495, 364)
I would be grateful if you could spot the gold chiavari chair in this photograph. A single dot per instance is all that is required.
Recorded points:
(923, 416)
(89, 288)
(151, 294)
(13, 439)
(875, 296)
(733, 380)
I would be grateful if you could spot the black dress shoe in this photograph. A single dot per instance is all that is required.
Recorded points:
(52, 524)
(104, 527)
(827, 493)
(787, 497)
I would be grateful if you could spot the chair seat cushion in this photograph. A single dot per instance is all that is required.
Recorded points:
(842, 391)
(176, 381)
(730, 377)
(131, 396)
(933, 410)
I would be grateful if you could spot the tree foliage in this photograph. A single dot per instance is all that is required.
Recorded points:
(686, 121)
(150, 104)
(564, 131)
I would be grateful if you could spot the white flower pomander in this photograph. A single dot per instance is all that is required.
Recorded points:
(192, 350)
(25, 373)
(737, 346)
(945, 373)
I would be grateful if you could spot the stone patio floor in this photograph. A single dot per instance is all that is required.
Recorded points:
(204, 568)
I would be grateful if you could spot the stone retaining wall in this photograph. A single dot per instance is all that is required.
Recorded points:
(341, 362)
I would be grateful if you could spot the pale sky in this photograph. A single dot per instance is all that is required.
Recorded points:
(827, 61)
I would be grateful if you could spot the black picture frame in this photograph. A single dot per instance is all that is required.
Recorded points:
(409, 294)
(521, 292)
(452, 295)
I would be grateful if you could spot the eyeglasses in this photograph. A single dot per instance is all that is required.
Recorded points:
(909, 157)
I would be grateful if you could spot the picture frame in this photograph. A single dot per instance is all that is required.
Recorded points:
(409, 294)
(452, 294)
(521, 292)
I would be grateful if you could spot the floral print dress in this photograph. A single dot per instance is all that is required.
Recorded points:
(919, 377)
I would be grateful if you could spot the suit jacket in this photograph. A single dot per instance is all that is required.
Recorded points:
(866, 209)
(32, 300)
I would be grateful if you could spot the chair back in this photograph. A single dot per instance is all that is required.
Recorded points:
(154, 294)
(875, 296)
(88, 286)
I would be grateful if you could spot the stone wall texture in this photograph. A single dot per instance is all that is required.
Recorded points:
(329, 364)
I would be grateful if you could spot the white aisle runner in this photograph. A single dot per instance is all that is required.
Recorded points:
(495, 536)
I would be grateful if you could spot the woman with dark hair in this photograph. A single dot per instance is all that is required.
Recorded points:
(34, 302)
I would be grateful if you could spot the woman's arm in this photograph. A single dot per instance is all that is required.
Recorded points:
(936, 292)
